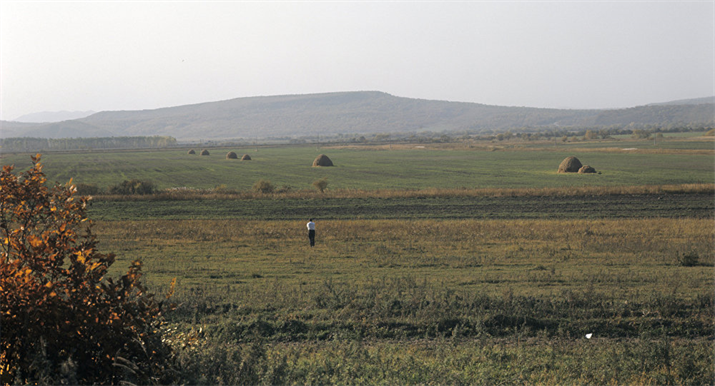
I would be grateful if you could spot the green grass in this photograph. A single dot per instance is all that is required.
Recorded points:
(699, 205)
(358, 168)
(621, 257)
(432, 301)
(405, 288)
(455, 361)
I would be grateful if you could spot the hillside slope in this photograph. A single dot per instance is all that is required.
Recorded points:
(315, 114)
(346, 113)
(53, 116)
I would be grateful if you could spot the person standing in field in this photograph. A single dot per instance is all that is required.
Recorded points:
(311, 232)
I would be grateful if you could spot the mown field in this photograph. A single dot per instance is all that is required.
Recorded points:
(697, 204)
(435, 265)
(389, 167)
(433, 301)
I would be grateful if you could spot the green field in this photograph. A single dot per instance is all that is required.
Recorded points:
(406, 167)
(470, 284)
(697, 205)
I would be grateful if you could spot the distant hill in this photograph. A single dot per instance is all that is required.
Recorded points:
(10, 129)
(65, 129)
(315, 114)
(362, 112)
(694, 101)
(53, 116)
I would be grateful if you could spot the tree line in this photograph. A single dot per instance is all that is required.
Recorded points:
(524, 133)
(58, 144)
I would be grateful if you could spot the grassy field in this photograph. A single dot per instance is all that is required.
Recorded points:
(386, 167)
(526, 257)
(664, 205)
(433, 301)
(435, 265)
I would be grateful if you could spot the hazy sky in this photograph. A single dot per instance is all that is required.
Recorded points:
(78, 56)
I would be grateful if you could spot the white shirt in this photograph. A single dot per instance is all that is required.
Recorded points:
(311, 226)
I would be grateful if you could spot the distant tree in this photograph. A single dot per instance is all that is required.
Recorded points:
(321, 184)
(36, 144)
(133, 187)
(63, 321)
(590, 135)
(87, 189)
(641, 134)
(263, 186)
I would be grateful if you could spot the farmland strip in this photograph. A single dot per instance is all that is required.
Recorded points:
(695, 205)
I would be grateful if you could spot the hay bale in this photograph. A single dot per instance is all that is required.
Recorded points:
(322, 160)
(204, 152)
(231, 155)
(586, 169)
(570, 165)
(192, 152)
(246, 157)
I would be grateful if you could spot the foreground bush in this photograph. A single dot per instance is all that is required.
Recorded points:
(62, 321)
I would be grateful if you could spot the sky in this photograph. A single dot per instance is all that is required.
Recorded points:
(100, 56)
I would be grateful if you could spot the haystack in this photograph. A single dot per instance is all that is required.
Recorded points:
(570, 165)
(192, 152)
(204, 152)
(322, 160)
(586, 169)
(231, 155)
(246, 157)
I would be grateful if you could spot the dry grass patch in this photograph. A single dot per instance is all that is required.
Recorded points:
(186, 194)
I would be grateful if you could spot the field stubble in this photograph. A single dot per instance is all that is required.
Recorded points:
(490, 300)
(396, 293)
(267, 264)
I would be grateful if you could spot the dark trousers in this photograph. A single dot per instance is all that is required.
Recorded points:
(311, 236)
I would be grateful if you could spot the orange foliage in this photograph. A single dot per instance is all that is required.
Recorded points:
(61, 320)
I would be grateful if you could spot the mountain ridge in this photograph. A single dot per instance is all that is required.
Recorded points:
(358, 112)
(53, 116)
